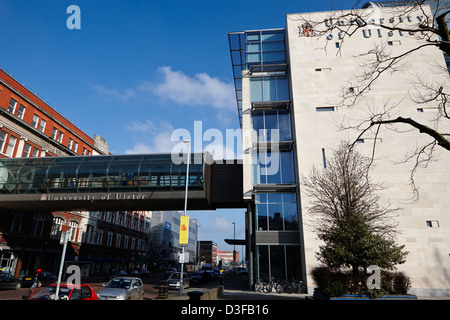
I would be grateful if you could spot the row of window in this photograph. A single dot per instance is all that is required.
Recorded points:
(90, 236)
(123, 218)
(40, 124)
(96, 237)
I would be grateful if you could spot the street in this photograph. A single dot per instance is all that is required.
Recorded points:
(151, 287)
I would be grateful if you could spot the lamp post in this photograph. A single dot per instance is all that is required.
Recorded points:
(234, 244)
(185, 207)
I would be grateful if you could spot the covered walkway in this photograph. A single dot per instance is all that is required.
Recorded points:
(117, 182)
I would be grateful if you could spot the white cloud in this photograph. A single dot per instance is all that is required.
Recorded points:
(200, 90)
(150, 137)
(221, 224)
(111, 94)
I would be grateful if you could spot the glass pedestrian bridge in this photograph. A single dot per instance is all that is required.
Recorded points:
(113, 182)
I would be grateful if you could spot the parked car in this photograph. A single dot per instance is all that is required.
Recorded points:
(196, 277)
(42, 278)
(121, 273)
(66, 292)
(122, 288)
(174, 280)
(240, 271)
(169, 271)
(141, 272)
(7, 281)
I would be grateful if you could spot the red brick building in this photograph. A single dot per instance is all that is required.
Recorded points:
(29, 127)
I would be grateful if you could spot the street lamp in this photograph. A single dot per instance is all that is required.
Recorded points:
(234, 243)
(185, 207)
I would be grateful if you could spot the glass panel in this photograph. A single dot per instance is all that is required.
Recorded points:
(272, 35)
(287, 167)
(282, 88)
(293, 263)
(269, 89)
(277, 262)
(284, 126)
(253, 36)
(253, 47)
(290, 216)
(261, 214)
(262, 254)
(275, 216)
(273, 46)
(273, 56)
(256, 89)
(253, 57)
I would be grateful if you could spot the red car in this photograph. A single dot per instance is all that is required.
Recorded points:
(66, 292)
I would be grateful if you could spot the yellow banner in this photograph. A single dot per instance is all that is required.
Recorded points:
(184, 229)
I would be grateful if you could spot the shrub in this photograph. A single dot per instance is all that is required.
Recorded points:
(336, 283)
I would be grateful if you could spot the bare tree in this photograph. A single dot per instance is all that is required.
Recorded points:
(430, 28)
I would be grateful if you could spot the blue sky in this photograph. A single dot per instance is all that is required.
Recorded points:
(137, 70)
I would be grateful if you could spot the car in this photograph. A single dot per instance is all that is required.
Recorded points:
(7, 281)
(174, 280)
(169, 271)
(122, 288)
(66, 292)
(196, 277)
(41, 278)
(240, 271)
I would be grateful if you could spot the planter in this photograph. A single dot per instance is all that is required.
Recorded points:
(320, 296)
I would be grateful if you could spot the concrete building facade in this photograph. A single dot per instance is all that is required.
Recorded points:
(293, 80)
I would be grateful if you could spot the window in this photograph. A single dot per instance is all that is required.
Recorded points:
(15, 222)
(42, 125)
(75, 147)
(276, 211)
(125, 242)
(36, 152)
(269, 89)
(118, 240)
(100, 237)
(273, 167)
(35, 121)
(325, 109)
(12, 105)
(21, 112)
(89, 234)
(3, 136)
(324, 159)
(265, 47)
(11, 144)
(267, 122)
(26, 150)
(322, 69)
(60, 136)
(394, 43)
(84, 151)
(433, 223)
(73, 228)
(70, 143)
(55, 232)
(109, 239)
(37, 225)
(54, 133)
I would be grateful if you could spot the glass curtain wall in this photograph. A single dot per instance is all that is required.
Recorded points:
(271, 119)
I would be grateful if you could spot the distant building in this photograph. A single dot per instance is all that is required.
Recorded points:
(227, 258)
(207, 252)
(100, 242)
(164, 246)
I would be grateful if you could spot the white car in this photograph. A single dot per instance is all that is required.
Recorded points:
(174, 281)
(122, 288)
